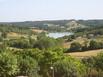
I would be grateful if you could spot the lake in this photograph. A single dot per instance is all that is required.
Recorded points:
(58, 34)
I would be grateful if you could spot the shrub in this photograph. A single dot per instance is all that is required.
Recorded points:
(75, 47)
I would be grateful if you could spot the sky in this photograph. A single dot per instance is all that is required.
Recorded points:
(34, 10)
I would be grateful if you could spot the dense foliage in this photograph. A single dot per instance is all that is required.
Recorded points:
(92, 45)
(8, 64)
(4, 28)
(37, 63)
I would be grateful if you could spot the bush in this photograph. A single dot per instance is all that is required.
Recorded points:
(45, 43)
(20, 43)
(95, 45)
(28, 66)
(75, 47)
(8, 64)
(69, 67)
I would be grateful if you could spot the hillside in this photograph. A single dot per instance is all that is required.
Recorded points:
(57, 22)
(58, 25)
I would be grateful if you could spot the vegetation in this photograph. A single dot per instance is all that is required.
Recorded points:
(8, 64)
(55, 25)
(28, 63)
(75, 47)
(92, 45)
(36, 55)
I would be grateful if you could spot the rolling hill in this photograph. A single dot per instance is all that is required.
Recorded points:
(58, 25)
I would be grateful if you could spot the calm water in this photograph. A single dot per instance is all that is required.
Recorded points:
(59, 34)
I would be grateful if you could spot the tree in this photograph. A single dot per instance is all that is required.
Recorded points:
(90, 64)
(47, 60)
(27, 64)
(75, 47)
(94, 44)
(69, 67)
(85, 46)
(8, 64)
(20, 43)
(4, 34)
(94, 64)
(45, 43)
(99, 61)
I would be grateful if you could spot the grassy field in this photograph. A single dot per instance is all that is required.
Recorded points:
(85, 54)
(13, 35)
(38, 30)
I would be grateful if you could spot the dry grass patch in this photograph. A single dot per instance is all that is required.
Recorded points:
(85, 54)
(13, 35)
(38, 30)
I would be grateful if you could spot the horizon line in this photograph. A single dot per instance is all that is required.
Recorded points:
(49, 20)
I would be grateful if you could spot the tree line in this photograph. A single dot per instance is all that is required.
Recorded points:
(92, 45)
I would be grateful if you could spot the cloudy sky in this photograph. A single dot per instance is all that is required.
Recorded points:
(32, 10)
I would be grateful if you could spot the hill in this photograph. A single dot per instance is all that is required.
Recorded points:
(58, 25)
(57, 22)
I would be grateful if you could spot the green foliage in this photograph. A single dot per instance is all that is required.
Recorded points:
(19, 43)
(94, 65)
(99, 61)
(95, 45)
(70, 68)
(45, 43)
(41, 43)
(27, 63)
(1, 39)
(47, 60)
(75, 47)
(87, 32)
(92, 45)
(8, 64)
(41, 35)
(71, 37)
(5, 28)
(4, 34)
